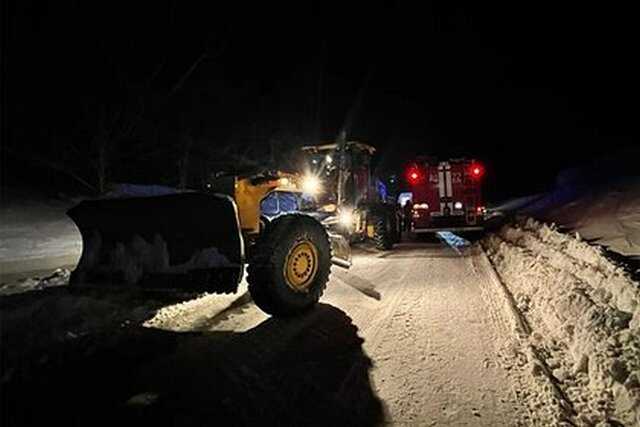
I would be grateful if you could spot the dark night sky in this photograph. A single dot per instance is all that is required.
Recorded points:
(529, 87)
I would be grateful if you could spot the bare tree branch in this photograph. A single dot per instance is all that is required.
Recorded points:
(53, 166)
(186, 75)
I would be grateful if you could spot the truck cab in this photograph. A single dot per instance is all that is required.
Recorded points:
(446, 195)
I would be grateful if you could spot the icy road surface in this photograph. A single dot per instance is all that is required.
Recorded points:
(428, 329)
(415, 336)
(431, 335)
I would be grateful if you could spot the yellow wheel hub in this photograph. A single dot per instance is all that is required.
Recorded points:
(301, 265)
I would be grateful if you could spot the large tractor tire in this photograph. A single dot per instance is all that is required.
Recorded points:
(383, 232)
(290, 265)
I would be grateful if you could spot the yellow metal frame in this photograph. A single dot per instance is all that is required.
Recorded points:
(249, 195)
(371, 231)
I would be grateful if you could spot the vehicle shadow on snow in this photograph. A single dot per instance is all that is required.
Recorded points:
(309, 370)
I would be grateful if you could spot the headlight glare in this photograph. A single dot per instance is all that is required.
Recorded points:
(311, 185)
(346, 218)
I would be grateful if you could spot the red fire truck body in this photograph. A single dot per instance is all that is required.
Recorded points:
(447, 195)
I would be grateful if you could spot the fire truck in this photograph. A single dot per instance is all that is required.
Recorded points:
(446, 195)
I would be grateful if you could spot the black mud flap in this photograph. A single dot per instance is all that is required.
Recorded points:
(190, 241)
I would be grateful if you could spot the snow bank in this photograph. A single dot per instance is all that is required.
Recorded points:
(600, 200)
(194, 314)
(59, 277)
(36, 234)
(583, 312)
(37, 237)
(138, 258)
(33, 322)
(608, 214)
(37, 327)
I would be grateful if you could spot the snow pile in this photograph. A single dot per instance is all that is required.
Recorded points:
(196, 314)
(599, 199)
(32, 323)
(583, 318)
(139, 258)
(36, 235)
(58, 278)
(606, 213)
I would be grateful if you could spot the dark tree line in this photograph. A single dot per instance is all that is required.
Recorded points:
(108, 94)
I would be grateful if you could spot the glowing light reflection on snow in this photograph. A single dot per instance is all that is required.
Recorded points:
(456, 242)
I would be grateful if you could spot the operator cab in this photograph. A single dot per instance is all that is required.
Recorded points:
(323, 160)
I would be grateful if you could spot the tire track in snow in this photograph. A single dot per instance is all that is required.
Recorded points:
(431, 341)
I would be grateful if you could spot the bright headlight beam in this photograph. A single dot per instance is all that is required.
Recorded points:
(311, 185)
(454, 241)
(346, 218)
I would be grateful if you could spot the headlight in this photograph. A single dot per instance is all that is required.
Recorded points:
(457, 205)
(346, 218)
(311, 185)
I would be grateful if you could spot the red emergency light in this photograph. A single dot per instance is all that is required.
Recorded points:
(476, 170)
(414, 175)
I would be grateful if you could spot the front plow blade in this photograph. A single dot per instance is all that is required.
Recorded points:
(189, 241)
(340, 250)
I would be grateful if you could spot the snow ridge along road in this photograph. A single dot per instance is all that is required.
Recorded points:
(584, 316)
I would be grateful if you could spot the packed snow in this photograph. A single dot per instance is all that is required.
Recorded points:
(582, 317)
(536, 325)
(402, 337)
(599, 200)
(607, 215)
(137, 258)
(36, 237)
(59, 277)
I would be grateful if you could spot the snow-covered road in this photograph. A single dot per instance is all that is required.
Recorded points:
(423, 313)
(36, 237)
(416, 336)
(431, 335)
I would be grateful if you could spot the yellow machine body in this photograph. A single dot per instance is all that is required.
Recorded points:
(248, 193)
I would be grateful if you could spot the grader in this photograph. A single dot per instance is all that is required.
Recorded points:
(350, 200)
(201, 241)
